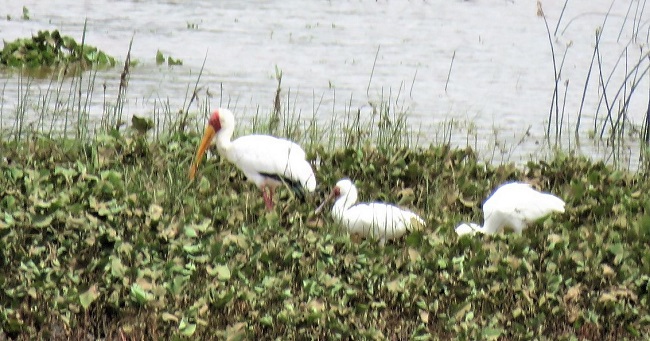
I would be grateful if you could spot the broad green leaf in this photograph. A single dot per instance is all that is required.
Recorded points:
(169, 317)
(616, 249)
(41, 221)
(88, 297)
(395, 286)
(186, 328)
(222, 272)
(190, 232)
(140, 295)
(267, 321)
(491, 333)
(8, 219)
(463, 310)
(193, 248)
(155, 212)
(117, 268)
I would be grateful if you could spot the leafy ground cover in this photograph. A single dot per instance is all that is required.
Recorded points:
(109, 239)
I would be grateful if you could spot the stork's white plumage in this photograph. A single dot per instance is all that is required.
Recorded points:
(378, 220)
(513, 205)
(266, 161)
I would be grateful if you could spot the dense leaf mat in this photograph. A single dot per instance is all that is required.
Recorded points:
(110, 239)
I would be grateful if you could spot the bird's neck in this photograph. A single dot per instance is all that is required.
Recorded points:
(343, 203)
(223, 141)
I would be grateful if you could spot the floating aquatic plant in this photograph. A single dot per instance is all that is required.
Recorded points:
(50, 48)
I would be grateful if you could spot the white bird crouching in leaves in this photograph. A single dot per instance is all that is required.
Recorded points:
(377, 220)
(513, 205)
(266, 161)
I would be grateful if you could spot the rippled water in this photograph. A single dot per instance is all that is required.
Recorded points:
(501, 76)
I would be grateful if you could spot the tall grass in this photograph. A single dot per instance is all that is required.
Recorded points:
(382, 122)
(611, 123)
(62, 109)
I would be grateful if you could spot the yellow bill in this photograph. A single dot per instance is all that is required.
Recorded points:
(208, 135)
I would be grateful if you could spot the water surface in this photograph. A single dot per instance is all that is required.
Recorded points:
(501, 78)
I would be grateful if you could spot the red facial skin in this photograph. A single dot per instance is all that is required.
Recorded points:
(214, 121)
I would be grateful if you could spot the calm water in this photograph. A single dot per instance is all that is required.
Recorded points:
(501, 79)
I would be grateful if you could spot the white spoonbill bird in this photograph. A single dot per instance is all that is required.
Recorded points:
(513, 205)
(378, 220)
(266, 161)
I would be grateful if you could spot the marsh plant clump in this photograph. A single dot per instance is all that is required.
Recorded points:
(51, 49)
(160, 59)
(108, 238)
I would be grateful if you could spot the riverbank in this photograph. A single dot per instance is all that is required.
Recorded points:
(108, 238)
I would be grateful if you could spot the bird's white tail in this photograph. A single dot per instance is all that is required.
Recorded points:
(305, 175)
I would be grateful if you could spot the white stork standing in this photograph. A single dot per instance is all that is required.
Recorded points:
(266, 161)
(513, 205)
(378, 220)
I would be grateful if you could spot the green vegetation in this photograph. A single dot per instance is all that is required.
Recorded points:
(160, 59)
(50, 49)
(102, 235)
(25, 13)
(109, 237)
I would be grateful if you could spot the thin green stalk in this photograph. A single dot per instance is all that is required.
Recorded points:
(372, 72)
(556, 76)
(183, 122)
(627, 14)
(81, 124)
(560, 18)
(21, 108)
(451, 65)
(646, 122)
(635, 83)
(584, 89)
(58, 105)
(43, 106)
(115, 121)
(2, 107)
